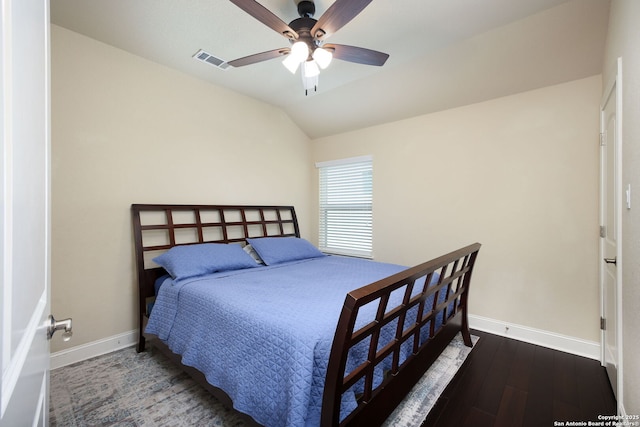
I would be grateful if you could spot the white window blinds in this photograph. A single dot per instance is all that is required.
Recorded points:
(346, 211)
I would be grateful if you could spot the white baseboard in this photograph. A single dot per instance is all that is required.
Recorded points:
(577, 346)
(93, 349)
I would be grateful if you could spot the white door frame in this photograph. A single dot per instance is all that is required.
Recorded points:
(614, 84)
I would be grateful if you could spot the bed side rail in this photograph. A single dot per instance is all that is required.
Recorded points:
(409, 313)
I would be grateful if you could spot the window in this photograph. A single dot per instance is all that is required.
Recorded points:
(346, 211)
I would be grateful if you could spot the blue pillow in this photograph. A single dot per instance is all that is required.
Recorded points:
(276, 250)
(185, 261)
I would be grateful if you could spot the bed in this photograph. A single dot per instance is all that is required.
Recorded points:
(283, 333)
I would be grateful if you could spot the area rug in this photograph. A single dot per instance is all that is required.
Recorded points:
(125, 388)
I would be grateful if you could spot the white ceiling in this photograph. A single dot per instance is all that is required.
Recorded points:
(443, 53)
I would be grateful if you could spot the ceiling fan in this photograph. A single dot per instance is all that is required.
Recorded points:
(307, 36)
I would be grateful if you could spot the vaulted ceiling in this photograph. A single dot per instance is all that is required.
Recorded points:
(443, 53)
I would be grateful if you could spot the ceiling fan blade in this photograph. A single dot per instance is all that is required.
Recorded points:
(259, 57)
(338, 14)
(359, 55)
(265, 16)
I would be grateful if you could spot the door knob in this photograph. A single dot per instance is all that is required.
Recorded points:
(55, 325)
(610, 260)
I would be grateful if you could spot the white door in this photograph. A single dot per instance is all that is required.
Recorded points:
(24, 215)
(610, 205)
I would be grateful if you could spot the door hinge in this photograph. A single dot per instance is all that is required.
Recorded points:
(603, 323)
(603, 231)
(603, 139)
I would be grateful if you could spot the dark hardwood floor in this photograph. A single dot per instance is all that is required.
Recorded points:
(505, 382)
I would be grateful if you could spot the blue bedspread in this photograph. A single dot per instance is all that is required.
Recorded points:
(264, 335)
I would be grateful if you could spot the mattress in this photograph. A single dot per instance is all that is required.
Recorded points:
(263, 335)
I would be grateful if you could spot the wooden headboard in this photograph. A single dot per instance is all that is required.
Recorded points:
(158, 228)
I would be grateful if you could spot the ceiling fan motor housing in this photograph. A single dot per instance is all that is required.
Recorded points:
(303, 27)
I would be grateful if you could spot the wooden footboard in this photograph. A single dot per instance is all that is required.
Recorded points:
(433, 310)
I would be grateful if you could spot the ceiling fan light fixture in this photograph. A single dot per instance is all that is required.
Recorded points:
(322, 57)
(300, 51)
(309, 83)
(291, 63)
(311, 69)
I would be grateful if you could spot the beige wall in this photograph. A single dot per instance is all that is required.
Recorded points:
(126, 130)
(518, 174)
(624, 41)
